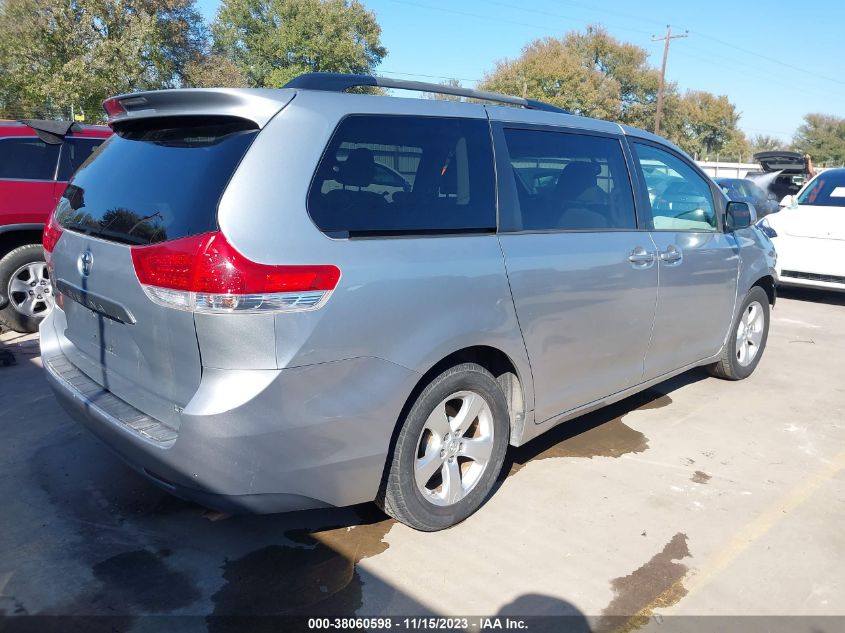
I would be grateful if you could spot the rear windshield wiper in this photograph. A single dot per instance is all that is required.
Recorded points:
(114, 236)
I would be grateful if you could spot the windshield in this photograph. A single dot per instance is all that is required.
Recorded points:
(157, 181)
(828, 189)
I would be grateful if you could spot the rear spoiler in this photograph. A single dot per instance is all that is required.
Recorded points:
(258, 105)
(51, 132)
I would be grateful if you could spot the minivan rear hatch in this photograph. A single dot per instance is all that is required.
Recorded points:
(155, 180)
(787, 162)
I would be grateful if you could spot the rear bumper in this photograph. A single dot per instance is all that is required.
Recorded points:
(251, 440)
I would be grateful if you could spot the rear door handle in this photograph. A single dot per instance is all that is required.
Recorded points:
(672, 255)
(641, 256)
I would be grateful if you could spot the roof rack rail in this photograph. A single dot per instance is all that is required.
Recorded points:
(338, 82)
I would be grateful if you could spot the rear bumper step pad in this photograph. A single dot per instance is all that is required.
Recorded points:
(110, 405)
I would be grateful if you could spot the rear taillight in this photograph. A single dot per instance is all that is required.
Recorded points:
(52, 233)
(204, 273)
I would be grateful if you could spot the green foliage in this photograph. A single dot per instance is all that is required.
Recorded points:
(704, 125)
(439, 96)
(81, 51)
(273, 41)
(590, 73)
(765, 143)
(214, 71)
(594, 74)
(823, 137)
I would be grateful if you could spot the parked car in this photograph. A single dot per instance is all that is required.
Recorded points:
(36, 160)
(743, 190)
(792, 167)
(809, 233)
(249, 335)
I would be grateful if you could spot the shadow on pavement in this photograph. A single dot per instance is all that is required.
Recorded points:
(93, 538)
(813, 295)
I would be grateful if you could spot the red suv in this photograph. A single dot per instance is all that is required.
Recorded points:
(36, 160)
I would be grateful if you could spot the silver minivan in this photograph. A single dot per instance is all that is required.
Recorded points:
(271, 300)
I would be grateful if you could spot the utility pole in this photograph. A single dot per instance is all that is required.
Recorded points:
(666, 39)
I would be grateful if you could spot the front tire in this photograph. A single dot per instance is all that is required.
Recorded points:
(747, 339)
(25, 288)
(449, 450)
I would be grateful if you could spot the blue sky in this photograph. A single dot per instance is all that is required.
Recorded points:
(775, 60)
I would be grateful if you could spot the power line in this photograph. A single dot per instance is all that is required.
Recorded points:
(760, 75)
(563, 17)
(640, 19)
(779, 62)
(621, 14)
(468, 14)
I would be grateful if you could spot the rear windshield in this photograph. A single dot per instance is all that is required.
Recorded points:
(827, 190)
(155, 181)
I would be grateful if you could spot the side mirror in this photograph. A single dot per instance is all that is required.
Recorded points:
(739, 215)
(788, 201)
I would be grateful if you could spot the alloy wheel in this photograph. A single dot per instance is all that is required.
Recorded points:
(30, 291)
(749, 333)
(454, 448)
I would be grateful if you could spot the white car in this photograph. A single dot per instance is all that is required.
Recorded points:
(809, 233)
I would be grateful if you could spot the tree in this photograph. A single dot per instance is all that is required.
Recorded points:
(704, 125)
(823, 137)
(590, 73)
(81, 51)
(273, 41)
(594, 74)
(765, 143)
(214, 71)
(448, 83)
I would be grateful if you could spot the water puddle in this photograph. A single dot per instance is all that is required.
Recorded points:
(598, 434)
(316, 573)
(700, 477)
(656, 584)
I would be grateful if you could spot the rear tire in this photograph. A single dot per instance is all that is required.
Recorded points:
(747, 339)
(449, 450)
(21, 311)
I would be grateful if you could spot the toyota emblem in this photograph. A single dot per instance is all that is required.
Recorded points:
(86, 261)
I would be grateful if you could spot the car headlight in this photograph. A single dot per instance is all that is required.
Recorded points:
(767, 229)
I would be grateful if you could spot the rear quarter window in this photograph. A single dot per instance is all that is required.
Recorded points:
(27, 158)
(405, 175)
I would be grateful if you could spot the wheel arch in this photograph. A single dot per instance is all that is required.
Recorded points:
(12, 237)
(494, 360)
(767, 283)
